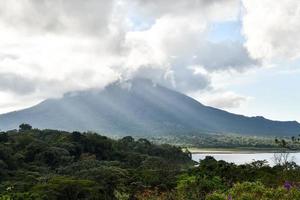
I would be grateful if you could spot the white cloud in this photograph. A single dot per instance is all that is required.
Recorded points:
(52, 47)
(221, 99)
(15, 83)
(209, 9)
(74, 17)
(272, 28)
(11, 102)
(174, 43)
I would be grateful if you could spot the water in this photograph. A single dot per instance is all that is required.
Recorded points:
(242, 158)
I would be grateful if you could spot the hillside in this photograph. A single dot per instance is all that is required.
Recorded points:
(140, 107)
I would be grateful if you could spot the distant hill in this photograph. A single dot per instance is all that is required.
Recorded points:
(140, 107)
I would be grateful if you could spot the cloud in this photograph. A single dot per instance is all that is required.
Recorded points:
(184, 79)
(221, 99)
(7, 56)
(52, 47)
(224, 55)
(173, 44)
(56, 16)
(271, 28)
(209, 9)
(15, 83)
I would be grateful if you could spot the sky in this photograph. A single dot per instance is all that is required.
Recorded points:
(242, 56)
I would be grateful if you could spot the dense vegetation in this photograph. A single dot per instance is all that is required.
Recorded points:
(50, 164)
(218, 141)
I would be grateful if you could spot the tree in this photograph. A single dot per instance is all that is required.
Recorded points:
(54, 157)
(283, 156)
(25, 127)
(3, 137)
(76, 136)
(70, 189)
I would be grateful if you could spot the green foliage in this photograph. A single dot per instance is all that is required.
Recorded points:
(57, 165)
(195, 187)
(292, 143)
(218, 141)
(69, 189)
(51, 164)
(255, 191)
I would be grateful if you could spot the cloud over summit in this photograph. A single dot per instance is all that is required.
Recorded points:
(53, 47)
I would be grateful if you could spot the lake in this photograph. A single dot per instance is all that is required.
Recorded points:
(242, 158)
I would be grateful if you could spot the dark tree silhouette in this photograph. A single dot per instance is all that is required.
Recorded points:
(25, 127)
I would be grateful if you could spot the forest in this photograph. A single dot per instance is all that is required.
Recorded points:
(220, 141)
(52, 164)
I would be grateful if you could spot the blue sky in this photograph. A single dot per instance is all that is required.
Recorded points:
(273, 91)
(228, 30)
(273, 94)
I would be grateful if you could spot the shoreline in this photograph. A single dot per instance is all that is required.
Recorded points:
(235, 150)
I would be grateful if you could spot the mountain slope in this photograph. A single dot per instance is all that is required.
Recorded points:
(140, 107)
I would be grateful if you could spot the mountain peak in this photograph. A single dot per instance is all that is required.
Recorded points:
(140, 107)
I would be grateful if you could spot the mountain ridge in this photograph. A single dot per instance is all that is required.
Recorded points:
(141, 107)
